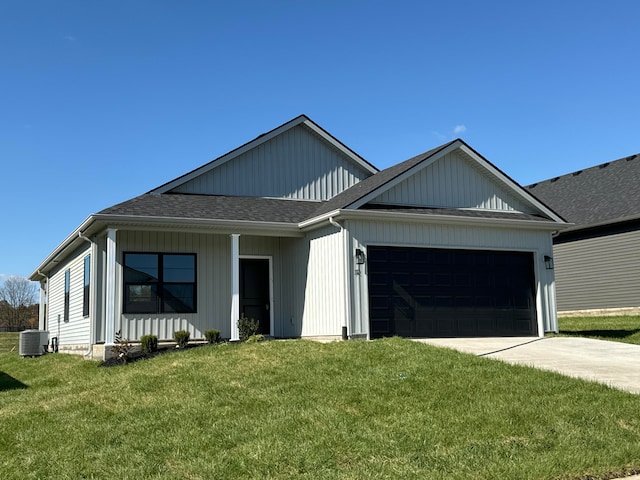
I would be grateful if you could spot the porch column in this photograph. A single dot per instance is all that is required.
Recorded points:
(110, 290)
(235, 285)
(42, 311)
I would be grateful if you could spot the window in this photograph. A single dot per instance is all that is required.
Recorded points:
(87, 281)
(159, 283)
(67, 287)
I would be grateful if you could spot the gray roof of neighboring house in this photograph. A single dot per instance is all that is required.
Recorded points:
(602, 194)
(175, 205)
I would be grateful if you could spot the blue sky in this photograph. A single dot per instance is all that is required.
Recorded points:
(103, 101)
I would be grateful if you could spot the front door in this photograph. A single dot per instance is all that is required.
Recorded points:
(255, 298)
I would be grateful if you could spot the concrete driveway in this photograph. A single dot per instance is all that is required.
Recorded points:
(612, 363)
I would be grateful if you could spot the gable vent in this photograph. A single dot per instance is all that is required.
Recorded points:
(604, 165)
(575, 174)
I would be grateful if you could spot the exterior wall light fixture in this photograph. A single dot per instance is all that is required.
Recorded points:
(359, 257)
(548, 262)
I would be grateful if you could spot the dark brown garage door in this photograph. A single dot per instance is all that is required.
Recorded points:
(427, 292)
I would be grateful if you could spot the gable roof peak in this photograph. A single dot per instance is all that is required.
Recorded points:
(263, 138)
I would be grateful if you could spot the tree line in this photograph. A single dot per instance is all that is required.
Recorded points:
(18, 307)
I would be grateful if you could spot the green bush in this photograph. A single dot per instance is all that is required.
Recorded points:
(149, 343)
(181, 337)
(255, 338)
(247, 327)
(212, 336)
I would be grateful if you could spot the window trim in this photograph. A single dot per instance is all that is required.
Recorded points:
(159, 284)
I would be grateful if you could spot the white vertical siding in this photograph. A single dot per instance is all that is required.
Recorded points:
(297, 164)
(453, 182)
(213, 284)
(75, 332)
(313, 284)
(598, 273)
(451, 236)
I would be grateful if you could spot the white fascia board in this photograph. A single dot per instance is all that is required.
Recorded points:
(202, 225)
(340, 146)
(516, 189)
(403, 176)
(433, 219)
(132, 222)
(71, 241)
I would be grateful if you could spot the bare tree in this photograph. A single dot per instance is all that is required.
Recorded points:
(17, 296)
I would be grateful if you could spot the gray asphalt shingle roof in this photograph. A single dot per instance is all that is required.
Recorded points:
(605, 193)
(214, 207)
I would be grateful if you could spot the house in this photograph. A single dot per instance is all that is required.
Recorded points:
(597, 263)
(298, 231)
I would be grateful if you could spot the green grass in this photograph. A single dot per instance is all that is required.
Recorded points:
(9, 341)
(385, 409)
(620, 329)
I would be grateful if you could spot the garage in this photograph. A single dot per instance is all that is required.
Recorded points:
(440, 292)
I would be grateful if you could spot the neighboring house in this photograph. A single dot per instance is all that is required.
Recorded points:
(597, 261)
(298, 231)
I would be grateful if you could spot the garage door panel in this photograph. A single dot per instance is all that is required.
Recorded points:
(447, 292)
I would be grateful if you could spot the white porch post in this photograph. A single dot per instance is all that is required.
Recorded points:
(110, 293)
(235, 285)
(42, 312)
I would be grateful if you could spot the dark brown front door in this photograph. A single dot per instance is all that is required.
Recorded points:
(254, 292)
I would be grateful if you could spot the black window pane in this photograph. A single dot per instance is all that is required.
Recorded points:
(179, 268)
(141, 299)
(179, 298)
(141, 267)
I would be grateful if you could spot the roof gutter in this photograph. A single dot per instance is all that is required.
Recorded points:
(426, 218)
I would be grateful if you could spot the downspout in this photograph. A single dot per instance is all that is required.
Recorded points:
(345, 277)
(92, 319)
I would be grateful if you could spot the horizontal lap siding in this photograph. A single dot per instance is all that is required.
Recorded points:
(595, 273)
(213, 284)
(76, 330)
(452, 182)
(297, 164)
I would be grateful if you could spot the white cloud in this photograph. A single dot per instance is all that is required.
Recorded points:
(458, 129)
(439, 136)
(71, 38)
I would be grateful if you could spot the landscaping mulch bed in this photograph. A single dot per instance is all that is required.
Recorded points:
(137, 355)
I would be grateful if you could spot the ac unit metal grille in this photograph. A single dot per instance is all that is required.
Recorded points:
(33, 342)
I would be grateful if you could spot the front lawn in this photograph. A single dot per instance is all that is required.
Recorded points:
(620, 329)
(389, 408)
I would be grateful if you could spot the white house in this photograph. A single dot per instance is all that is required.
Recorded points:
(300, 232)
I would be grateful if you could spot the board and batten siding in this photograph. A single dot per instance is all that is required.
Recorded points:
(453, 182)
(314, 284)
(74, 335)
(297, 164)
(598, 273)
(365, 233)
(213, 266)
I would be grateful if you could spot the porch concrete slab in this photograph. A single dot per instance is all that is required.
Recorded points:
(612, 363)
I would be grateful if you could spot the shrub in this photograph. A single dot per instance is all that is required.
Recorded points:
(181, 337)
(149, 343)
(247, 327)
(212, 336)
(121, 348)
(255, 338)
